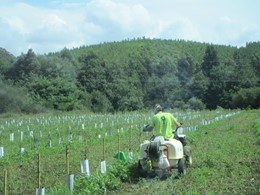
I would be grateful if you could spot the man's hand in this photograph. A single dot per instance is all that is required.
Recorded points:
(178, 124)
(146, 128)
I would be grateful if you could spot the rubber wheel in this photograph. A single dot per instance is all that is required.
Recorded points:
(187, 152)
(182, 169)
(189, 161)
(141, 171)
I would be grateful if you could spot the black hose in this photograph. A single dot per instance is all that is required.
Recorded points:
(154, 150)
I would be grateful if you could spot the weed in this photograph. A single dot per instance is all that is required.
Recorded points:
(225, 156)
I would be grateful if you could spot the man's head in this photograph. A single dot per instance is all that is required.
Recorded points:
(157, 108)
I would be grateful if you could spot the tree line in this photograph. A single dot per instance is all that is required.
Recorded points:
(132, 75)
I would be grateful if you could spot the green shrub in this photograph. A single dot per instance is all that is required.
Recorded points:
(14, 99)
(196, 104)
(97, 183)
(57, 93)
(257, 126)
(247, 98)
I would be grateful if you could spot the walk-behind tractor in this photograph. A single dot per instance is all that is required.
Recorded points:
(159, 156)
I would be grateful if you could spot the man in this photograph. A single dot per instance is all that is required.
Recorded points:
(162, 123)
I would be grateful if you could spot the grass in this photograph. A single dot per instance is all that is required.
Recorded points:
(226, 160)
(226, 156)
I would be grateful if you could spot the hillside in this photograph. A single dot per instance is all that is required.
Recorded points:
(133, 75)
(157, 48)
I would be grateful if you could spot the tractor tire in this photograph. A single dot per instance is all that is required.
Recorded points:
(189, 161)
(187, 153)
(182, 169)
(141, 171)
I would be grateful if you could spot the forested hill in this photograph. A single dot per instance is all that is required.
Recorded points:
(132, 75)
(156, 49)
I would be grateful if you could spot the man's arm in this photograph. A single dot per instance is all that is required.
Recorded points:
(177, 124)
(148, 128)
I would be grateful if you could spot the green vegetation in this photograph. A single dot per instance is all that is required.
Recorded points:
(226, 160)
(257, 126)
(113, 79)
(225, 153)
(131, 75)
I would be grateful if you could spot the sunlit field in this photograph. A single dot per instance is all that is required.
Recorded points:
(41, 151)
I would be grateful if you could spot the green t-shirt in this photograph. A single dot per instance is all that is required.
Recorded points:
(162, 123)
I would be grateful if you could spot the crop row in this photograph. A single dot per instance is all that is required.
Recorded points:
(16, 135)
(86, 136)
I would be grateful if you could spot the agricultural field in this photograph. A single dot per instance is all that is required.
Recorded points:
(41, 151)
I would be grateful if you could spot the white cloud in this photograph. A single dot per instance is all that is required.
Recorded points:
(181, 28)
(17, 24)
(231, 31)
(52, 25)
(226, 20)
(11, 40)
(249, 28)
(54, 22)
(43, 30)
(123, 17)
(249, 32)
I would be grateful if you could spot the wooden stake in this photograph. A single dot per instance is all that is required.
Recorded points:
(130, 148)
(140, 138)
(118, 146)
(103, 148)
(67, 160)
(86, 150)
(5, 182)
(39, 173)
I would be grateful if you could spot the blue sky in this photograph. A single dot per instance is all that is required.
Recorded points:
(51, 25)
